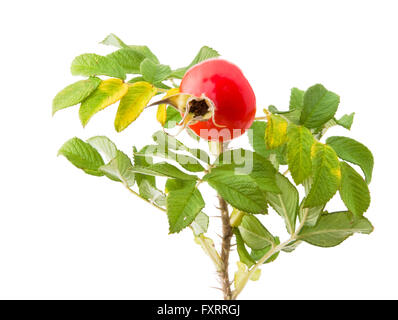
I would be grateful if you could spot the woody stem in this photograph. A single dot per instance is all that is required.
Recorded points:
(226, 243)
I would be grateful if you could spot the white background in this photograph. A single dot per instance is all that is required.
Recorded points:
(64, 234)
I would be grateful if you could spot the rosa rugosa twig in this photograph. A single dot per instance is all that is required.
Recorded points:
(210, 99)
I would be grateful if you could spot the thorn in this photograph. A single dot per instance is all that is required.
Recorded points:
(216, 288)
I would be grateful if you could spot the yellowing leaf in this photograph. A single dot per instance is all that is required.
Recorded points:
(243, 273)
(255, 275)
(133, 103)
(161, 114)
(275, 133)
(240, 275)
(326, 175)
(108, 92)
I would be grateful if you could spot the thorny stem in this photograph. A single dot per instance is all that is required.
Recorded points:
(226, 241)
(225, 249)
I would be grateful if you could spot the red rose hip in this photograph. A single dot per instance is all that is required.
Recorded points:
(221, 86)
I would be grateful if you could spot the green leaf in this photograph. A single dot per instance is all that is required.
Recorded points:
(258, 140)
(187, 162)
(91, 64)
(311, 215)
(183, 205)
(286, 202)
(200, 224)
(140, 161)
(82, 155)
(346, 120)
(146, 52)
(239, 190)
(263, 173)
(326, 175)
(320, 105)
(290, 247)
(333, 228)
(151, 193)
(204, 53)
(355, 152)
(199, 154)
(104, 145)
(254, 234)
(75, 93)
(136, 79)
(292, 116)
(129, 59)
(173, 184)
(119, 169)
(296, 99)
(353, 190)
(257, 167)
(173, 117)
(161, 85)
(113, 40)
(163, 169)
(244, 255)
(167, 142)
(108, 92)
(154, 72)
(275, 132)
(299, 143)
(258, 254)
(133, 103)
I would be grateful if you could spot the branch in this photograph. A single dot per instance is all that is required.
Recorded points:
(225, 249)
